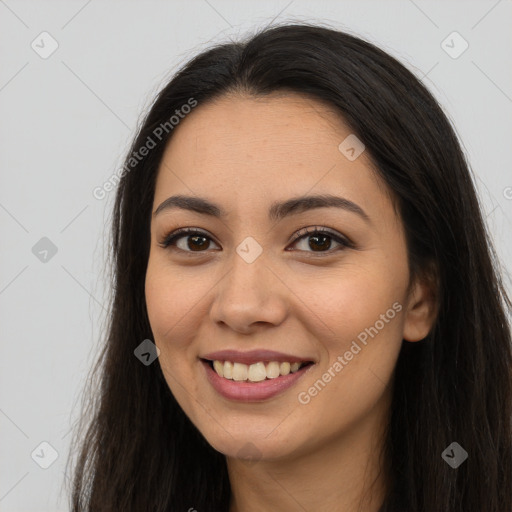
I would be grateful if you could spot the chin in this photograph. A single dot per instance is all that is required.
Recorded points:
(251, 443)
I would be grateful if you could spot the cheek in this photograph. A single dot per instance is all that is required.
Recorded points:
(167, 309)
(351, 300)
(171, 300)
(161, 302)
(171, 306)
(362, 308)
(177, 306)
(354, 377)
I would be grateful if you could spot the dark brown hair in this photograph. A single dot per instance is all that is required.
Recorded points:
(141, 453)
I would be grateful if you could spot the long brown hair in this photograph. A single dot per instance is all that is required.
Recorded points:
(139, 451)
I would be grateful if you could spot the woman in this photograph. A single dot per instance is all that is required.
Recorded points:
(297, 237)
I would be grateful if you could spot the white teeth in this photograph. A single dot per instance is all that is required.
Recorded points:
(294, 367)
(240, 371)
(256, 372)
(227, 370)
(284, 368)
(272, 370)
(219, 368)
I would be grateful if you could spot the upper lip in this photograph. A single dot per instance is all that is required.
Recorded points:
(253, 356)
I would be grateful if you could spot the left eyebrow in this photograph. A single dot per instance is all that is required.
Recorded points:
(277, 211)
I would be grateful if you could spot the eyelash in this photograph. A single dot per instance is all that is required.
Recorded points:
(171, 238)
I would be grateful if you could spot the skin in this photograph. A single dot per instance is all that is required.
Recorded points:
(243, 153)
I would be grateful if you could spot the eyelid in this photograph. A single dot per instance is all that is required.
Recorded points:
(343, 240)
(172, 236)
(311, 230)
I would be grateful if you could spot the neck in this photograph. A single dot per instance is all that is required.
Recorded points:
(339, 474)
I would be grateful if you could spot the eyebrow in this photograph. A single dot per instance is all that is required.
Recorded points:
(277, 211)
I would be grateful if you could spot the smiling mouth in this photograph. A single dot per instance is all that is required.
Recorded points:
(257, 372)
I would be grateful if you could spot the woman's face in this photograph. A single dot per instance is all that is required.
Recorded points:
(255, 285)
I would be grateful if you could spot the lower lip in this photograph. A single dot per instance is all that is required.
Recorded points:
(245, 391)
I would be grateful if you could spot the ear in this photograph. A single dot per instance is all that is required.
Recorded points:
(421, 309)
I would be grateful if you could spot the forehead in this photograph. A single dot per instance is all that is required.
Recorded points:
(253, 128)
(248, 149)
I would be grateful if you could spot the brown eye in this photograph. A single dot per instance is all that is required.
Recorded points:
(320, 240)
(196, 241)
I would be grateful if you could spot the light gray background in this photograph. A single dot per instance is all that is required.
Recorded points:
(66, 122)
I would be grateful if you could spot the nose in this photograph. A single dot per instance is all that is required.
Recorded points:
(249, 296)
